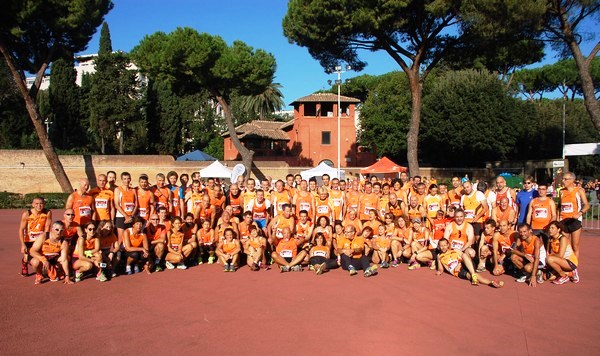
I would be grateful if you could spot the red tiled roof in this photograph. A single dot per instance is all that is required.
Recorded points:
(273, 130)
(325, 98)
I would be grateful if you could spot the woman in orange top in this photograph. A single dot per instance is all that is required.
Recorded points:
(419, 239)
(206, 243)
(399, 241)
(87, 253)
(228, 250)
(109, 246)
(561, 258)
(136, 247)
(319, 255)
(324, 228)
(382, 244)
(176, 254)
(255, 246)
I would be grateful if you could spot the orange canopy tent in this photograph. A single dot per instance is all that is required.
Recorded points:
(384, 165)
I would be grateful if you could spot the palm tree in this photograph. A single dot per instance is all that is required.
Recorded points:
(262, 104)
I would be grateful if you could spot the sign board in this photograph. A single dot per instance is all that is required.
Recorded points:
(557, 164)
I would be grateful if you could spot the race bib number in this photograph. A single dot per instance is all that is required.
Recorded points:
(337, 202)
(456, 204)
(85, 211)
(236, 209)
(322, 209)
(566, 207)
(286, 253)
(452, 264)
(160, 203)
(433, 207)
(142, 212)
(433, 243)
(540, 213)
(279, 233)
(504, 248)
(129, 207)
(280, 206)
(469, 214)
(34, 235)
(175, 248)
(305, 206)
(367, 210)
(101, 203)
(457, 244)
(197, 203)
(259, 216)
(319, 254)
(175, 202)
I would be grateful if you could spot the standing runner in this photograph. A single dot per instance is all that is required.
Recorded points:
(35, 223)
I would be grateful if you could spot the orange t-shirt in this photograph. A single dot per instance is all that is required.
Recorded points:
(287, 249)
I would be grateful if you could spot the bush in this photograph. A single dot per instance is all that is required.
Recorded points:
(53, 200)
(11, 200)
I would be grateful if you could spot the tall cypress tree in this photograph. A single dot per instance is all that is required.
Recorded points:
(105, 41)
(65, 115)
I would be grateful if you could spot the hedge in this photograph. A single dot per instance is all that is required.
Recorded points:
(17, 201)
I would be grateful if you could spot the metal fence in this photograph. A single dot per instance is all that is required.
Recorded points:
(591, 219)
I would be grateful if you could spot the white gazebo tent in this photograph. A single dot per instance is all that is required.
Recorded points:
(321, 169)
(215, 170)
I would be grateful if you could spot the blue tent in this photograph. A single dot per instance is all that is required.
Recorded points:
(196, 156)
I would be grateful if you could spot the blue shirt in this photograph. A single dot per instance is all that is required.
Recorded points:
(523, 200)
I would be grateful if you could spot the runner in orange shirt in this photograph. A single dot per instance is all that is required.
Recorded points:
(561, 258)
(157, 237)
(304, 200)
(126, 205)
(205, 211)
(177, 251)
(323, 205)
(35, 223)
(82, 203)
(109, 246)
(573, 204)
(111, 180)
(542, 211)
(136, 247)
(419, 240)
(337, 197)
(529, 257)
(281, 221)
(207, 243)
(279, 198)
(178, 194)
(49, 255)
(351, 249)
(286, 254)
(319, 256)
(234, 198)
(163, 196)
(145, 198)
(381, 247)
(460, 234)
(503, 211)
(193, 198)
(255, 247)
(460, 265)
(228, 250)
(367, 202)
(104, 206)
(87, 254)
(456, 192)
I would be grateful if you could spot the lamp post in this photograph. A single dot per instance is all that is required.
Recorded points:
(339, 71)
(564, 117)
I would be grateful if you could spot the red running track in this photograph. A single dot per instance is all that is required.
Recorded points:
(202, 310)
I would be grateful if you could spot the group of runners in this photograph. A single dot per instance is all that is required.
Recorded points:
(293, 224)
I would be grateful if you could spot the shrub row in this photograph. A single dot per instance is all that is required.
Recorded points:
(19, 201)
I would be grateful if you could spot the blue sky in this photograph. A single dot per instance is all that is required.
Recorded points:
(256, 22)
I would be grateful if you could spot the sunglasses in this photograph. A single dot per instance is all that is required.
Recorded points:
(70, 214)
(90, 229)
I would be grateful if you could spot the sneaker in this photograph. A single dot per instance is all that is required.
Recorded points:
(319, 269)
(102, 277)
(78, 276)
(415, 265)
(373, 270)
(296, 268)
(367, 273)
(352, 270)
(540, 276)
(562, 280)
(38, 278)
(231, 268)
(158, 268)
(480, 268)
(211, 260)
(53, 274)
(181, 266)
(254, 267)
(474, 280)
(311, 267)
(226, 268)
(432, 265)
(495, 284)
(385, 264)
(521, 279)
(200, 261)
(136, 269)
(169, 265)
(114, 274)
(395, 263)
(575, 276)
(284, 269)
(24, 269)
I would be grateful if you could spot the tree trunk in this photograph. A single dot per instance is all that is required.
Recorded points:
(587, 84)
(412, 138)
(34, 115)
(247, 155)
